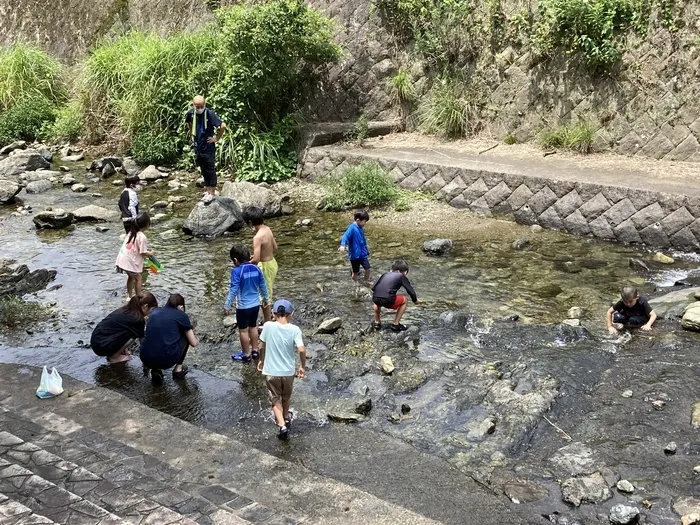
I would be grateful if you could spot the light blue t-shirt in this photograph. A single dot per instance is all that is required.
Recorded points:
(281, 343)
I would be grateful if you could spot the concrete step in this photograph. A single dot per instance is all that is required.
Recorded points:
(133, 505)
(121, 479)
(13, 513)
(195, 460)
(47, 499)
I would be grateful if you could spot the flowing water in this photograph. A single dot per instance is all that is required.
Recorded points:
(485, 366)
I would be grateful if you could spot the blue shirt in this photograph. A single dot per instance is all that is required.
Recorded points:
(202, 131)
(281, 343)
(165, 327)
(247, 285)
(354, 240)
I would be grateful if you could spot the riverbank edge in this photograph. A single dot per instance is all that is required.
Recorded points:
(605, 211)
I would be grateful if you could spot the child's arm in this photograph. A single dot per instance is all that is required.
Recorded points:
(302, 361)
(609, 320)
(652, 319)
(261, 360)
(407, 286)
(133, 203)
(233, 291)
(143, 246)
(257, 245)
(346, 239)
(191, 338)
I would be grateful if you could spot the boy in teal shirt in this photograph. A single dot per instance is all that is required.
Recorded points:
(280, 341)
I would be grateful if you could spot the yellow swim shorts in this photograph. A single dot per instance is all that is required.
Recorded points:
(269, 271)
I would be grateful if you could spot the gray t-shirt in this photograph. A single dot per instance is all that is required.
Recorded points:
(281, 343)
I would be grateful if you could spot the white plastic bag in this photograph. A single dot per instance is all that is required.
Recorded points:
(51, 384)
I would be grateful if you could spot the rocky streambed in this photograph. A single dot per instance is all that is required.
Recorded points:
(506, 373)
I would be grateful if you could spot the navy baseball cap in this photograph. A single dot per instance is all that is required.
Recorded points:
(282, 304)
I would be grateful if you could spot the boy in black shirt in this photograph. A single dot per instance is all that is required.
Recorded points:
(632, 311)
(384, 295)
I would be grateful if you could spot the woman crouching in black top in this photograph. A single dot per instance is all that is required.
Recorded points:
(113, 336)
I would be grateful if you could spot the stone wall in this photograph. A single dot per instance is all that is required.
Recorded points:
(604, 211)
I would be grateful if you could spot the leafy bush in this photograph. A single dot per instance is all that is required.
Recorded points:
(25, 119)
(367, 184)
(575, 137)
(148, 147)
(402, 88)
(254, 64)
(445, 112)
(359, 131)
(14, 310)
(592, 29)
(27, 72)
(67, 126)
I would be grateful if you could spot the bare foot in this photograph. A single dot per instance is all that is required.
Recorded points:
(120, 358)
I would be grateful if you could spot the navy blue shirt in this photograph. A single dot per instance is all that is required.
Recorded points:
(207, 125)
(161, 347)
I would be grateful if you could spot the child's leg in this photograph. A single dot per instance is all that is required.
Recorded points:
(138, 283)
(245, 340)
(253, 337)
(368, 274)
(130, 286)
(400, 311)
(355, 264)
(377, 313)
(122, 355)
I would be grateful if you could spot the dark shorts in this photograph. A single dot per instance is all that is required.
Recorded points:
(631, 320)
(356, 263)
(247, 317)
(127, 225)
(169, 361)
(207, 165)
(391, 304)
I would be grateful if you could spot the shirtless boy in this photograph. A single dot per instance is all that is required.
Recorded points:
(264, 248)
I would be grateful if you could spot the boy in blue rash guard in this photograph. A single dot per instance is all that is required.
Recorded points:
(247, 286)
(354, 241)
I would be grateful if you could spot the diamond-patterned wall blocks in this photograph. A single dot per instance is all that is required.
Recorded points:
(604, 211)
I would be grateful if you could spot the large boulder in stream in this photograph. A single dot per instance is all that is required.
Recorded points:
(20, 161)
(34, 176)
(438, 246)
(20, 281)
(95, 213)
(214, 218)
(39, 186)
(53, 219)
(249, 195)
(8, 190)
(674, 304)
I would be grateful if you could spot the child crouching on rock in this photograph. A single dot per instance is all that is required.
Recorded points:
(630, 311)
(385, 295)
(133, 253)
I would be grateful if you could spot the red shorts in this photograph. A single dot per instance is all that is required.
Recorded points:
(400, 300)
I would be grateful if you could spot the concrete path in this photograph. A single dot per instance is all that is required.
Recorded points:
(124, 462)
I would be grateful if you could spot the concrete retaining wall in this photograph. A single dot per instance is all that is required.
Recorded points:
(604, 211)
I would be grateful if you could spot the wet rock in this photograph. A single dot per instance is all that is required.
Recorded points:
(214, 219)
(307, 222)
(625, 486)
(68, 180)
(108, 171)
(627, 393)
(364, 408)
(658, 404)
(18, 144)
(46, 153)
(438, 246)
(572, 322)
(96, 195)
(177, 199)
(287, 210)
(129, 166)
(117, 182)
(696, 469)
(571, 334)
(521, 244)
(662, 258)
(691, 317)
(78, 188)
(53, 219)
(250, 195)
(587, 489)
(39, 186)
(405, 409)
(576, 459)
(387, 364)
(574, 312)
(686, 506)
(454, 319)
(477, 432)
(31, 176)
(94, 213)
(150, 173)
(8, 190)
(673, 304)
(321, 204)
(695, 416)
(173, 185)
(63, 168)
(21, 161)
(73, 158)
(638, 264)
(101, 229)
(230, 321)
(670, 448)
(691, 519)
(20, 281)
(623, 515)
(330, 326)
(159, 217)
(525, 491)
(341, 416)
(169, 235)
(159, 204)
(101, 163)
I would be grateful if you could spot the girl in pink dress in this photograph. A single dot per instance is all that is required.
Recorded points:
(133, 253)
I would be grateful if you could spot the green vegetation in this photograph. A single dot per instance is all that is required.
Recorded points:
(25, 119)
(367, 184)
(68, 124)
(510, 139)
(14, 310)
(402, 88)
(359, 131)
(577, 137)
(448, 111)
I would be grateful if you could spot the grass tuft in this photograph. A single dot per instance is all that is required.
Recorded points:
(15, 311)
(367, 184)
(577, 137)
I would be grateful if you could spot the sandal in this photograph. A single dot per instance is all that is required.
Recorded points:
(240, 356)
(182, 373)
(255, 354)
(376, 326)
(398, 327)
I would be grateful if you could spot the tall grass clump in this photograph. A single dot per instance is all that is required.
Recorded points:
(367, 184)
(402, 88)
(578, 136)
(447, 112)
(253, 64)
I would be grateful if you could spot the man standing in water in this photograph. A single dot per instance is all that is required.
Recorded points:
(206, 128)
(264, 248)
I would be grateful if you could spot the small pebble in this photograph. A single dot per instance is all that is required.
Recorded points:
(671, 448)
(625, 486)
(627, 393)
(658, 404)
(102, 229)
